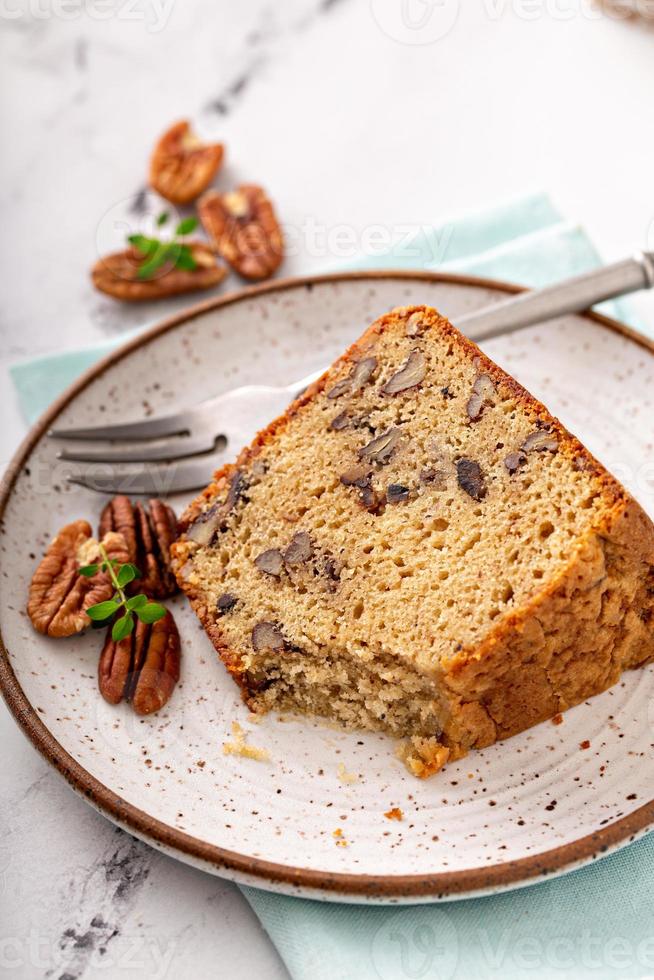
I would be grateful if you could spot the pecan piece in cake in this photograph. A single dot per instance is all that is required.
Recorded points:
(270, 562)
(434, 477)
(361, 373)
(225, 603)
(299, 551)
(340, 422)
(243, 226)
(410, 375)
(182, 166)
(357, 476)
(483, 391)
(59, 596)
(266, 636)
(381, 448)
(514, 461)
(212, 521)
(143, 668)
(415, 325)
(471, 478)
(542, 440)
(397, 493)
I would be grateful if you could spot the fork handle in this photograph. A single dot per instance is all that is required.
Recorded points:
(571, 296)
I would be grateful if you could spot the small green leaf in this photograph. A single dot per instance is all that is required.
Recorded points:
(162, 218)
(185, 259)
(143, 244)
(186, 226)
(164, 252)
(102, 610)
(122, 627)
(151, 613)
(126, 574)
(137, 601)
(88, 570)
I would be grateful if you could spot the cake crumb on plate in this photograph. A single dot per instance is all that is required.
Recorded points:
(240, 746)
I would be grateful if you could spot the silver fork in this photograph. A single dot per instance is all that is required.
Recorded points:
(215, 429)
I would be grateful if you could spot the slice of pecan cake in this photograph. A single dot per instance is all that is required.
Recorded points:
(418, 547)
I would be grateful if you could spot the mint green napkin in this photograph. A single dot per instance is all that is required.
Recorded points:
(597, 922)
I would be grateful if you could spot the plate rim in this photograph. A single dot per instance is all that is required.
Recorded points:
(438, 885)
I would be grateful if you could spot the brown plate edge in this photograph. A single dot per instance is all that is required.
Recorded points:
(469, 882)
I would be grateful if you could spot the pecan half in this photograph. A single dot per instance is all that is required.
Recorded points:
(149, 536)
(182, 166)
(117, 275)
(143, 668)
(244, 229)
(59, 596)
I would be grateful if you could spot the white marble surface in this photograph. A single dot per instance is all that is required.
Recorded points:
(353, 118)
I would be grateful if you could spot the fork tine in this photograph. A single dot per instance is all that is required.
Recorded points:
(166, 425)
(155, 480)
(170, 450)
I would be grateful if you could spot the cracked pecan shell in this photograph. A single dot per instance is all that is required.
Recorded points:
(243, 227)
(149, 534)
(143, 668)
(182, 166)
(117, 275)
(59, 596)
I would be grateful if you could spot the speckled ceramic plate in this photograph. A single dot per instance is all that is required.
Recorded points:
(311, 820)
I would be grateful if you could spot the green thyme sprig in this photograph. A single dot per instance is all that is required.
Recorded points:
(156, 252)
(109, 610)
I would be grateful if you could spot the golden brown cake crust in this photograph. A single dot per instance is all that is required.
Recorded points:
(571, 640)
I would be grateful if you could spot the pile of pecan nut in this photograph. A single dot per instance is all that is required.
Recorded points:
(241, 226)
(144, 667)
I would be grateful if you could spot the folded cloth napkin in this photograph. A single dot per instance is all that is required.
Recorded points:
(596, 922)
